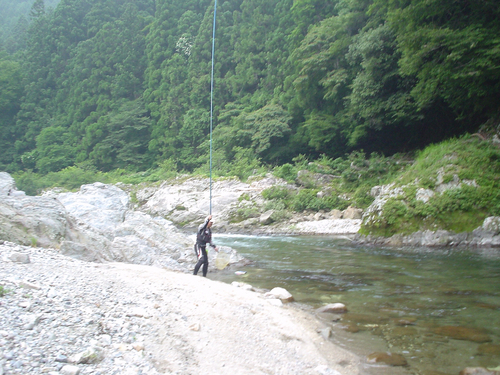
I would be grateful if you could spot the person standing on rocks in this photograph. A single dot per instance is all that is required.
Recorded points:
(204, 236)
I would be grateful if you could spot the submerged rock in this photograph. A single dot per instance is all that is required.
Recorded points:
(463, 333)
(333, 308)
(489, 349)
(478, 371)
(391, 359)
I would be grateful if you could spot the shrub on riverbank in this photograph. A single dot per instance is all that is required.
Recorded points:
(454, 186)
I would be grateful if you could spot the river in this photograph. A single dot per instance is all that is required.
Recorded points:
(440, 309)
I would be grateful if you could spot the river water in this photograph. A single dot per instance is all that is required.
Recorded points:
(440, 309)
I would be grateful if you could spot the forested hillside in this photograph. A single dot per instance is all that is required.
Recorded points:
(106, 84)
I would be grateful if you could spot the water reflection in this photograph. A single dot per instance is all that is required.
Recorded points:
(440, 309)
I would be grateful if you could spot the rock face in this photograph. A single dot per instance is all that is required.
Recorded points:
(487, 235)
(97, 223)
(186, 202)
(33, 220)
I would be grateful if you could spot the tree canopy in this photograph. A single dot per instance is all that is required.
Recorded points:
(126, 84)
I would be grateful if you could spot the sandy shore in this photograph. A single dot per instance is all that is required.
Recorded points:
(228, 330)
(148, 320)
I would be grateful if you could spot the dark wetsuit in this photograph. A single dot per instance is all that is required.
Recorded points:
(203, 236)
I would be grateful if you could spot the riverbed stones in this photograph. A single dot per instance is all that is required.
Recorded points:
(353, 213)
(478, 371)
(266, 217)
(281, 294)
(57, 313)
(489, 349)
(391, 359)
(333, 308)
(463, 333)
(70, 370)
(19, 258)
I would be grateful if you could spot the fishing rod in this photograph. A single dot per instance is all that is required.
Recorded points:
(212, 100)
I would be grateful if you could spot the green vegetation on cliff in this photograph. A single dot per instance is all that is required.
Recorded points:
(453, 185)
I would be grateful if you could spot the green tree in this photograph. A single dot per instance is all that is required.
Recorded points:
(37, 9)
(10, 96)
(454, 51)
(122, 138)
(53, 151)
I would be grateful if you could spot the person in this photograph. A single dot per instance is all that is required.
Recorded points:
(204, 236)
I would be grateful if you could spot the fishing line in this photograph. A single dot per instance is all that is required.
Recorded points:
(212, 101)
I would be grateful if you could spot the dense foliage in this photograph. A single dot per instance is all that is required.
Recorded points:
(107, 84)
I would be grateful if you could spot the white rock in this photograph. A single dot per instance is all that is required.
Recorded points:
(353, 213)
(424, 195)
(265, 218)
(19, 258)
(492, 224)
(92, 354)
(334, 308)
(280, 293)
(242, 285)
(70, 370)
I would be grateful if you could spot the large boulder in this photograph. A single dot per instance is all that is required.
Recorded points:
(97, 223)
(112, 230)
(266, 217)
(33, 221)
(353, 213)
(492, 224)
(98, 205)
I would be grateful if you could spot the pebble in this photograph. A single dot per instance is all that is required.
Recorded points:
(52, 318)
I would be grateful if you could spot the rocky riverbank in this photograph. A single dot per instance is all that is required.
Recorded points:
(64, 316)
(73, 310)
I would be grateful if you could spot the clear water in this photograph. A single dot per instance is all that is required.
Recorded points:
(440, 309)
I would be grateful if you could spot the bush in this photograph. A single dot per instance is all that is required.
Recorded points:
(393, 211)
(287, 172)
(307, 199)
(276, 192)
(28, 182)
(245, 213)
